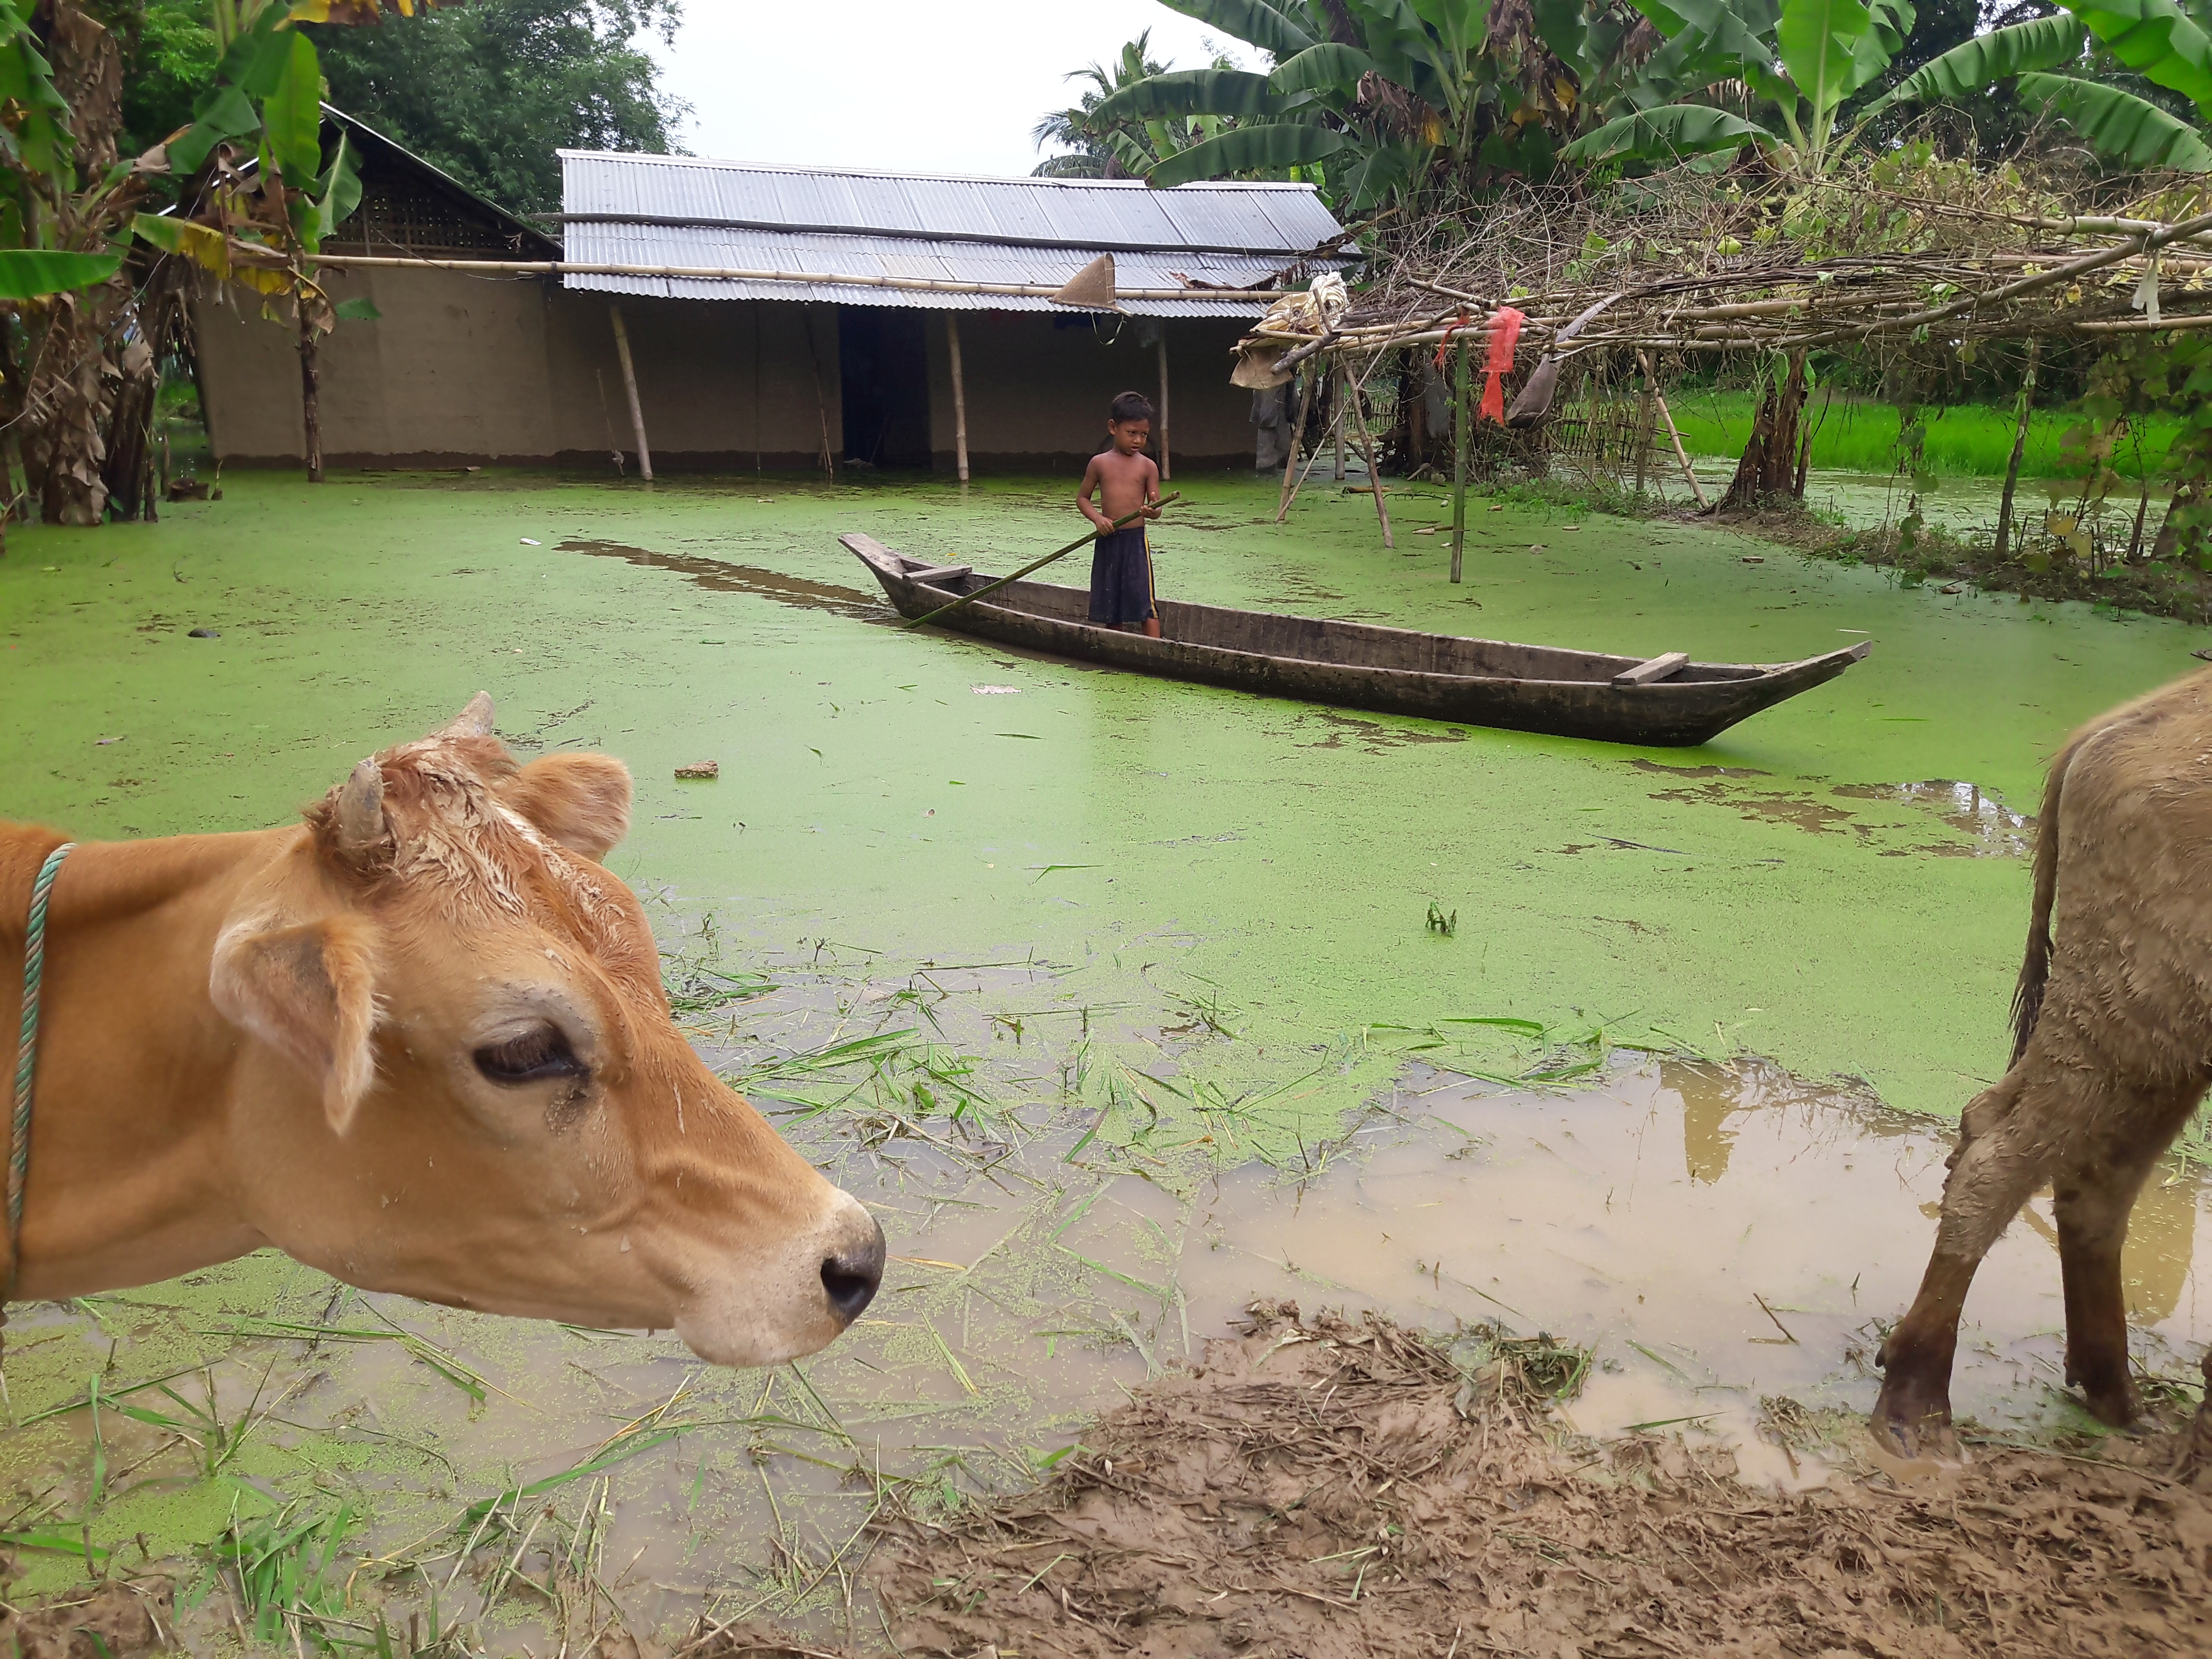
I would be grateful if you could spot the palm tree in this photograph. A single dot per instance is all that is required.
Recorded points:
(1125, 146)
(1077, 129)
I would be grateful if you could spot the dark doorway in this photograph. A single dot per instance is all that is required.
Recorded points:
(883, 376)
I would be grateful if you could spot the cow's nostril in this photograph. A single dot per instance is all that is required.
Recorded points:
(851, 1276)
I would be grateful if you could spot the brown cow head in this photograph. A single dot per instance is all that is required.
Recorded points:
(502, 1115)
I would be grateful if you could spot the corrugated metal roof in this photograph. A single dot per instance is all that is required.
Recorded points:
(679, 210)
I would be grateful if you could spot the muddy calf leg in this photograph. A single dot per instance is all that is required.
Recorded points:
(2095, 1191)
(2093, 1204)
(2000, 1160)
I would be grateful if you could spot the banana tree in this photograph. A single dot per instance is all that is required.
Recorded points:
(73, 358)
(1787, 68)
(2154, 38)
(268, 193)
(1371, 97)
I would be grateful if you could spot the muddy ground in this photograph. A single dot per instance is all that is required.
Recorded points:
(1337, 1490)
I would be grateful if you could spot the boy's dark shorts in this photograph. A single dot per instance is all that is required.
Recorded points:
(1121, 577)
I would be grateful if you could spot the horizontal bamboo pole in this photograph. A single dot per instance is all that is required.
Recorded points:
(731, 274)
(2143, 325)
(2089, 224)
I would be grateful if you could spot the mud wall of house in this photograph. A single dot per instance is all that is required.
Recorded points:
(462, 370)
(1038, 386)
(453, 371)
(466, 370)
(726, 385)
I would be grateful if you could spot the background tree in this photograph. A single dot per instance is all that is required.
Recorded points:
(489, 90)
(169, 59)
(1379, 100)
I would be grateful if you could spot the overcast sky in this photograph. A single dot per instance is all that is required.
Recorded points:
(897, 85)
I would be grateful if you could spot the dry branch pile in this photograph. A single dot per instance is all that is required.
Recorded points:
(1324, 1488)
(1688, 262)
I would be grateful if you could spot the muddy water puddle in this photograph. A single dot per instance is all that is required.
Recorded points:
(1717, 1236)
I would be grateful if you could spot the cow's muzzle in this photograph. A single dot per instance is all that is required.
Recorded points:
(851, 1272)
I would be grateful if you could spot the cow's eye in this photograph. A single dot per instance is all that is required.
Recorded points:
(536, 1055)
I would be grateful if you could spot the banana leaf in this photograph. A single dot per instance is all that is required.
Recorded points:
(1248, 150)
(292, 115)
(1462, 26)
(2044, 43)
(1828, 47)
(1709, 40)
(1329, 66)
(1405, 52)
(2118, 125)
(1560, 25)
(225, 113)
(1371, 179)
(1892, 24)
(1192, 92)
(1265, 26)
(1665, 133)
(28, 273)
(2157, 39)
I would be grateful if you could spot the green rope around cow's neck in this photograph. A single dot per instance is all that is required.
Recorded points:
(27, 1056)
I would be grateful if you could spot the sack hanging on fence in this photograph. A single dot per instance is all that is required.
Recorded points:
(1505, 335)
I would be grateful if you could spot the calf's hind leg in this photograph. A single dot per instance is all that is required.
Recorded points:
(2095, 1191)
(2001, 1159)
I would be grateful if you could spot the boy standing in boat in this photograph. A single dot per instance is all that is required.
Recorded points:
(1126, 480)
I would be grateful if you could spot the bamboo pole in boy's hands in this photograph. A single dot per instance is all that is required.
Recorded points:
(1080, 542)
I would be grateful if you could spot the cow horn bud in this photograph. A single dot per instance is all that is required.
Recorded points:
(359, 816)
(474, 721)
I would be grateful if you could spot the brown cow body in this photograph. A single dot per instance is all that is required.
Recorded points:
(420, 1043)
(2112, 1050)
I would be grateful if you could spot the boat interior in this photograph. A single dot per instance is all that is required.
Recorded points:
(1307, 639)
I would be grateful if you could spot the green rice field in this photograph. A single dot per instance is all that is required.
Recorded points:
(1968, 440)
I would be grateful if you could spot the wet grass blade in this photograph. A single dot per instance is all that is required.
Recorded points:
(420, 1349)
(952, 1360)
(620, 1451)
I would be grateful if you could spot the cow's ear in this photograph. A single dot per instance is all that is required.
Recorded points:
(308, 991)
(582, 801)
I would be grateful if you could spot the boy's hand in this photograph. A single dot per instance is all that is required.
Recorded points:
(1149, 509)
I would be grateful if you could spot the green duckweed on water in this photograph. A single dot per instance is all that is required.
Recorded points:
(1015, 947)
(1835, 883)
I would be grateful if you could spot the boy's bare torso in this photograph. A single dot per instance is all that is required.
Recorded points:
(1124, 483)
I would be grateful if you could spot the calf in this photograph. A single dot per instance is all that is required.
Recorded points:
(420, 1043)
(2111, 1053)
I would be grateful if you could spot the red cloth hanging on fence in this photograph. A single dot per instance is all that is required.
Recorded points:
(1505, 335)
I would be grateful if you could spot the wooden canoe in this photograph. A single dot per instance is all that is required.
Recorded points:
(1661, 702)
